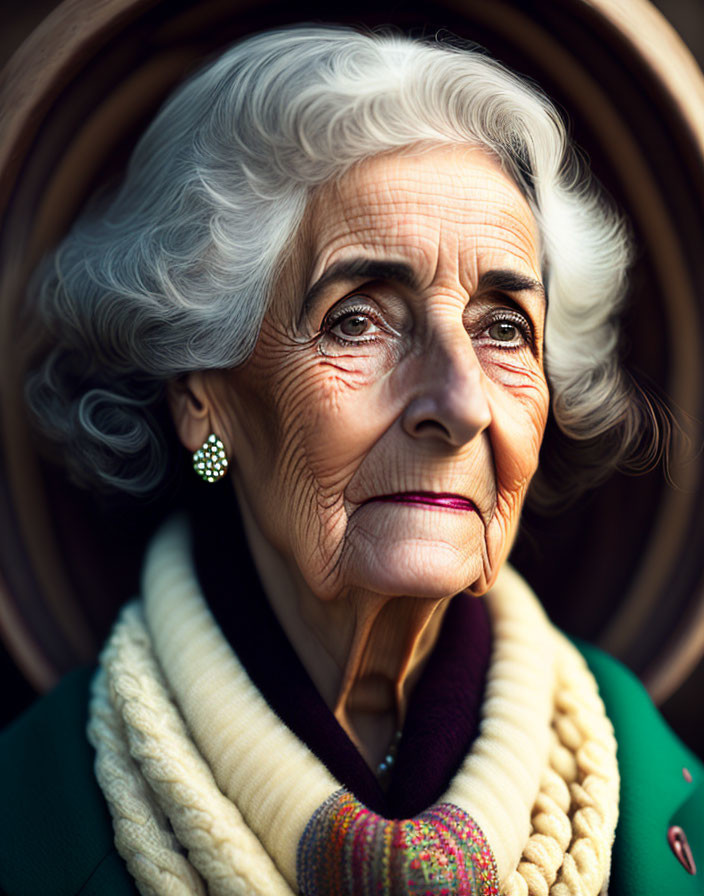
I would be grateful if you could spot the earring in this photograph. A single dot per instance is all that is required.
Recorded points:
(210, 460)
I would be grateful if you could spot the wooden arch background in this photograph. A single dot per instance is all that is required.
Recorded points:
(625, 567)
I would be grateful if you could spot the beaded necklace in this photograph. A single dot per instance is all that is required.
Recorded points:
(385, 767)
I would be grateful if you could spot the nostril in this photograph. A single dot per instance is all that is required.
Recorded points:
(432, 426)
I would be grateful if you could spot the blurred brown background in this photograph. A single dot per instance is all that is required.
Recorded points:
(687, 17)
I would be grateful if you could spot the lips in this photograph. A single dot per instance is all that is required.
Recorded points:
(444, 500)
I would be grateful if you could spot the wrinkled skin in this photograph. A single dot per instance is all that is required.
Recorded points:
(423, 377)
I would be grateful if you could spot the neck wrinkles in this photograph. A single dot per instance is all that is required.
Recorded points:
(364, 651)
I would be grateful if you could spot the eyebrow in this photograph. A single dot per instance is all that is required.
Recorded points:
(402, 273)
(511, 281)
(356, 268)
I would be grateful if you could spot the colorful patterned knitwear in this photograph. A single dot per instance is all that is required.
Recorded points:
(349, 850)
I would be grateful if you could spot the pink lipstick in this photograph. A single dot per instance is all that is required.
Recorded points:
(432, 499)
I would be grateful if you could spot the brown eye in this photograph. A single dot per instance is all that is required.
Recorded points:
(351, 325)
(504, 331)
(354, 325)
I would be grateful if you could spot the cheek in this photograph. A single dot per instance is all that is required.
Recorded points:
(519, 415)
(519, 396)
(519, 433)
(269, 397)
(346, 411)
(310, 418)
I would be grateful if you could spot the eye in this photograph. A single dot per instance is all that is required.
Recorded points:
(351, 324)
(507, 329)
(504, 331)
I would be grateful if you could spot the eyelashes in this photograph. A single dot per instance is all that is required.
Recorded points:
(506, 326)
(353, 324)
(361, 323)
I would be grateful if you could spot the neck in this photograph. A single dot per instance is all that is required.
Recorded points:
(363, 651)
(389, 645)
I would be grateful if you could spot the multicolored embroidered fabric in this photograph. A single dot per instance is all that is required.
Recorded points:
(348, 850)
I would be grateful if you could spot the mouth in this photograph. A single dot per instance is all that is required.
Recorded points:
(443, 500)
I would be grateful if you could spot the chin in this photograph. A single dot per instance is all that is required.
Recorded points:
(441, 559)
(432, 570)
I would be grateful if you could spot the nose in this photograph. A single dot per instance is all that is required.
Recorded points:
(450, 401)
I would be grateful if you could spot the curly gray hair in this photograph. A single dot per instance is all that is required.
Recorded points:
(175, 271)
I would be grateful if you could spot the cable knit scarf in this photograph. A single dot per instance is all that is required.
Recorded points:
(211, 793)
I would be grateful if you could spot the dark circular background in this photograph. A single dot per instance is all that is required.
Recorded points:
(622, 567)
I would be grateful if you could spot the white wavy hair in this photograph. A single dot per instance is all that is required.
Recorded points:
(175, 271)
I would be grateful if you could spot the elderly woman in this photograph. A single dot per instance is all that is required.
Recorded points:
(358, 270)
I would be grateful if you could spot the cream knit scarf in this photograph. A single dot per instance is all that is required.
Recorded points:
(211, 793)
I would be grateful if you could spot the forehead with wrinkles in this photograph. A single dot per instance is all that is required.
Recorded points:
(453, 219)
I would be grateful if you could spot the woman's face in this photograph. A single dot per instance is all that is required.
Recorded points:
(385, 429)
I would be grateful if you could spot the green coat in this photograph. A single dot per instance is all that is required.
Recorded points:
(56, 835)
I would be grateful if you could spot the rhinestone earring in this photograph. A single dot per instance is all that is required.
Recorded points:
(210, 460)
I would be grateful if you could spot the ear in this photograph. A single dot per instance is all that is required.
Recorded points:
(190, 409)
